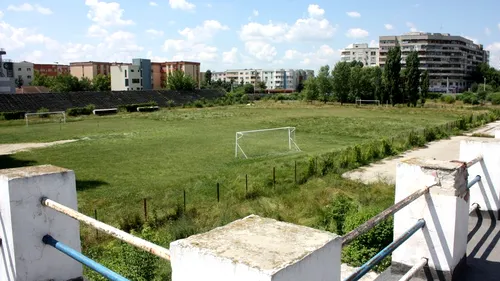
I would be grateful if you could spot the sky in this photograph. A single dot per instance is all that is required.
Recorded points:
(228, 34)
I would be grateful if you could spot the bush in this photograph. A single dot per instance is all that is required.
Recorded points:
(434, 96)
(448, 99)
(333, 215)
(43, 110)
(77, 111)
(12, 115)
(494, 98)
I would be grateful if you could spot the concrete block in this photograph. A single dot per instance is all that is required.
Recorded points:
(258, 249)
(443, 240)
(486, 193)
(24, 221)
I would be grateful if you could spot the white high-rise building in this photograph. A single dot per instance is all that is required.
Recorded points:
(369, 56)
(274, 79)
(126, 77)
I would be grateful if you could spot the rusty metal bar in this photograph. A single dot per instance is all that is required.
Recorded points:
(475, 180)
(414, 270)
(371, 223)
(474, 161)
(115, 232)
(474, 207)
(365, 268)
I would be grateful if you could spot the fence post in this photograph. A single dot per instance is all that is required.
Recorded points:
(96, 230)
(445, 209)
(145, 209)
(218, 193)
(246, 184)
(24, 222)
(274, 176)
(486, 193)
(295, 171)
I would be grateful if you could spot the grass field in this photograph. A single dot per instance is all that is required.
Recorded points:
(120, 160)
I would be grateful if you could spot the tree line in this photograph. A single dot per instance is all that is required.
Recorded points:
(348, 81)
(67, 83)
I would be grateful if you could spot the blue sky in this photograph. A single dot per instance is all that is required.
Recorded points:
(224, 34)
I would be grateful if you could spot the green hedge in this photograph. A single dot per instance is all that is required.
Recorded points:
(12, 115)
(76, 111)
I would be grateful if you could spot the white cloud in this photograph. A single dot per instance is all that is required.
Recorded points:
(353, 14)
(154, 32)
(96, 31)
(261, 50)
(304, 29)
(472, 39)
(255, 13)
(323, 55)
(1, 14)
(209, 5)
(412, 27)
(499, 26)
(203, 32)
(487, 31)
(494, 49)
(181, 5)
(154, 4)
(231, 56)
(388, 26)
(357, 33)
(315, 11)
(373, 44)
(106, 13)
(26, 7)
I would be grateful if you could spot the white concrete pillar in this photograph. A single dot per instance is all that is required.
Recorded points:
(487, 192)
(443, 240)
(258, 249)
(24, 222)
(497, 134)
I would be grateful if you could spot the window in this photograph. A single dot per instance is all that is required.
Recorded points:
(126, 82)
(131, 70)
(135, 81)
(141, 82)
(29, 69)
(29, 76)
(125, 73)
(19, 69)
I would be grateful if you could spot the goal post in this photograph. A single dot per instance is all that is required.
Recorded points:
(292, 145)
(44, 114)
(360, 101)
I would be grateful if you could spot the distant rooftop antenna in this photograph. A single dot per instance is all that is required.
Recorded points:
(2, 53)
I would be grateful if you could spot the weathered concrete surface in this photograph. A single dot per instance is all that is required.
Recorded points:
(12, 148)
(447, 150)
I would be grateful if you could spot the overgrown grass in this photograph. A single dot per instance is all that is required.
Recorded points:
(123, 159)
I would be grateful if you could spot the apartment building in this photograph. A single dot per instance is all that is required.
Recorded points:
(188, 67)
(126, 77)
(25, 71)
(51, 69)
(362, 52)
(273, 78)
(90, 69)
(158, 77)
(449, 59)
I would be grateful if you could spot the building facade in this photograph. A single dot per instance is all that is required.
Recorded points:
(146, 72)
(188, 67)
(157, 75)
(89, 69)
(369, 56)
(24, 70)
(51, 69)
(450, 60)
(126, 77)
(287, 79)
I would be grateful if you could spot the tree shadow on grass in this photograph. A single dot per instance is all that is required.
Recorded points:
(82, 185)
(7, 162)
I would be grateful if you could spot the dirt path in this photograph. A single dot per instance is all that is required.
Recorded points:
(12, 148)
(446, 150)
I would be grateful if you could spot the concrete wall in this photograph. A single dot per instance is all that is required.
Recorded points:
(23, 223)
(445, 209)
(7, 85)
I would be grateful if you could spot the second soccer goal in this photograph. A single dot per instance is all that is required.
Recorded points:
(264, 142)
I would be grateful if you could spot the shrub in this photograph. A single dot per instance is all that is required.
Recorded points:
(43, 110)
(448, 99)
(198, 103)
(434, 96)
(494, 98)
(244, 99)
(77, 111)
(334, 214)
(14, 115)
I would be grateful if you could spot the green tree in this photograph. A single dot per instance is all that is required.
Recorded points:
(248, 88)
(102, 83)
(42, 80)
(86, 85)
(341, 74)
(412, 74)
(261, 85)
(325, 84)
(179, 81)
(354, 82)
(300, 87)
(19, 82)
(311, 89)
(208, 77)
(424, 87)
(65, 83)
(392, 75)
(376, 79)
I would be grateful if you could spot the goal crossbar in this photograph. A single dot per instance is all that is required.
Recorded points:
(45, 113)
(371, 101)
(291, 137)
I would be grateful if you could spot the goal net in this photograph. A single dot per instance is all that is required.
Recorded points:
(45, 117)
(265, 142)
(360, 101)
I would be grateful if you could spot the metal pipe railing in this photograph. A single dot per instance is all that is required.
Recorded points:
(414, 270)
(371, 223)
(115, 232)
(474, 207)
(474, 161)
(74, 254)
(365, 268)
(475, 180)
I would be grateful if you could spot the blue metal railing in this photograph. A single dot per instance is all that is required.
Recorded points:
(365, 268)
(475, 180)
(74, 254)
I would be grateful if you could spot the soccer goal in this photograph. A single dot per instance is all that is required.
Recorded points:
(360, 101)
(265, 142)
(59, 116)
